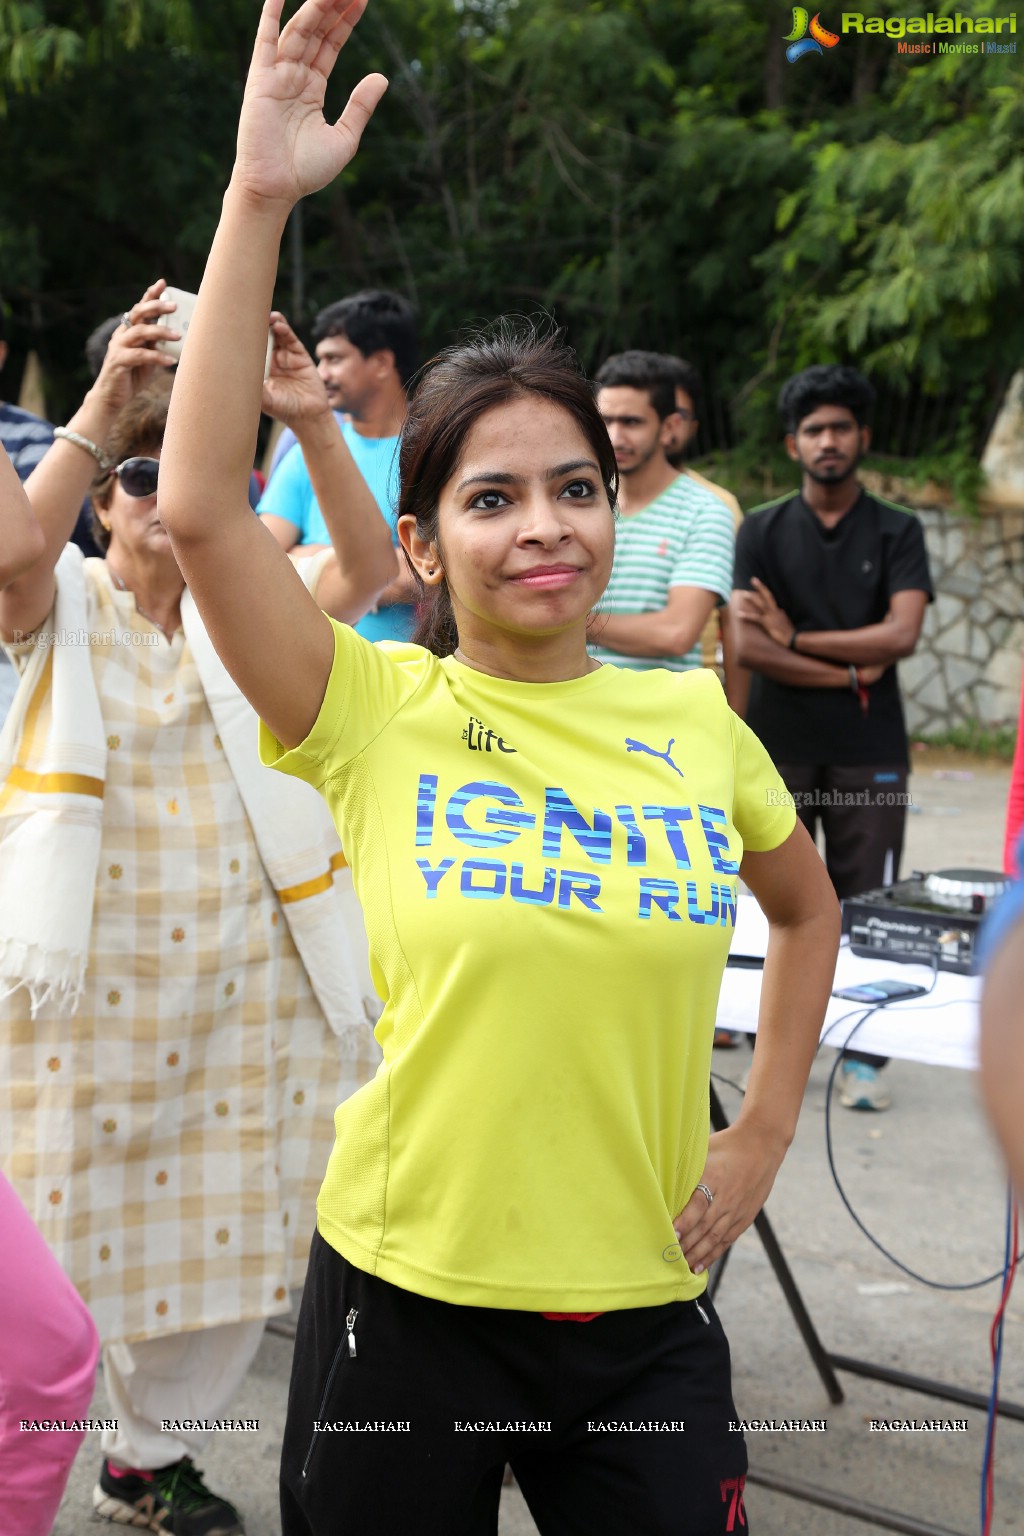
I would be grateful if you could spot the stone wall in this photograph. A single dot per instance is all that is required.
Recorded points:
(967, 666)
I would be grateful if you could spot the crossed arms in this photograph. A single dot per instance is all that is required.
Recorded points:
(823, 658)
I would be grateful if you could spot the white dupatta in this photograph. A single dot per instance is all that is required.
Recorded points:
(53, 758)
(53, 765)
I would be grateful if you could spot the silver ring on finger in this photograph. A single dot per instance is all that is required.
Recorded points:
(708, 1196)
(126, 320)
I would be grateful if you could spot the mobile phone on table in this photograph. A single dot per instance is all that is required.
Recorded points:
(880, 991)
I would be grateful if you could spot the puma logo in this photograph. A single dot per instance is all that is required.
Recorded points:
(666, 756)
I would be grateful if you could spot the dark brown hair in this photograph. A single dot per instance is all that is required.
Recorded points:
(511, 360)
(138, 430)
(644, 371)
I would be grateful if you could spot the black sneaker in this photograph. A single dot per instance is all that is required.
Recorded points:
(173, 1499)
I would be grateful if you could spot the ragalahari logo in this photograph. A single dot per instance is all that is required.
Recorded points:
(799, 41)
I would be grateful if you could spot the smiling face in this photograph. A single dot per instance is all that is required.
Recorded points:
(828, 444)
(525, 529)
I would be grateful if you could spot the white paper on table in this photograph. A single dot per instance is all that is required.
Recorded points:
(940, 1029)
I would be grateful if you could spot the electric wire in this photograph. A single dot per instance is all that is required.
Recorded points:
(865, 1014)
(1011, 1258)
(935, 1285)
(1012, 1251)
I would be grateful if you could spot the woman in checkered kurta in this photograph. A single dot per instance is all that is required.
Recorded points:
(169, 1138)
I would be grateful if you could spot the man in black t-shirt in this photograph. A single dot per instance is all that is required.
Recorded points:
(831, 590)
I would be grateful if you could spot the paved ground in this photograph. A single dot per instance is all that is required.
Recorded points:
(925, 1177)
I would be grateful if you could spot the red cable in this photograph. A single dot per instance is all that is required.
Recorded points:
(993, 1348)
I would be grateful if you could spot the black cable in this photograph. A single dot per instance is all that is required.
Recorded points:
(717, 1077)
(865, 1013)
(935, 1285)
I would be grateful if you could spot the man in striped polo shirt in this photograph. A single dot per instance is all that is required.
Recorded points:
(718, 636)
(674, 541)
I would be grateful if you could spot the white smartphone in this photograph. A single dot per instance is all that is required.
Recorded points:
(180, 318)
(177, 319)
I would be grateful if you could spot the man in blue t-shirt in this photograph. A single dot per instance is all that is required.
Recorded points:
(365, 349)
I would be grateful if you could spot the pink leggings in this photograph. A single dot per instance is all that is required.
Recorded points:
(48, 1352)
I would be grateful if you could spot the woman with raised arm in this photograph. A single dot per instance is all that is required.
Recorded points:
(48, 1342)
(517, 1219)
(179, 1013)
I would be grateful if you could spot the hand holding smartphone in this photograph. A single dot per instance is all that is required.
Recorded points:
(179, 319)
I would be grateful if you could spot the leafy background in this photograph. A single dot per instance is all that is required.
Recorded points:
(652, 174)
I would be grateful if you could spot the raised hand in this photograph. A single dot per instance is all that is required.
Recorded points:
(293, 391)
(131, 359)
(286, 148)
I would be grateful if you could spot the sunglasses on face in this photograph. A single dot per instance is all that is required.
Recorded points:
(138, 476)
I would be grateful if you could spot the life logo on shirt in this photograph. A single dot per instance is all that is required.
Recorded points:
(480, 738)
(486, 816)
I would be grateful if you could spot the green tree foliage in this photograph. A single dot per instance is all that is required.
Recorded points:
(653, 174)
(903, 243)
(38, 48)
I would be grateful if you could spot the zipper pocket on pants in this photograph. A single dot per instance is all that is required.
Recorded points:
(349, 1343)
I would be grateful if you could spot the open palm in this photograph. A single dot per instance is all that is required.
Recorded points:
(286, 148)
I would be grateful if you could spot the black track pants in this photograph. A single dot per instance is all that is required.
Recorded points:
(409, 1435)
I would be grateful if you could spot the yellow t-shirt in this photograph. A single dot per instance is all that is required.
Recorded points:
(548, 875)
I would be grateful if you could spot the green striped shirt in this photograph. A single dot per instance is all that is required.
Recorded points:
(684, 538)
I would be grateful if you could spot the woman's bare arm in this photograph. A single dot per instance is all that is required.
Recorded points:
(1002, 1048)
(792, 888)
(21, 538)
(270, 634)
(60, 482)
